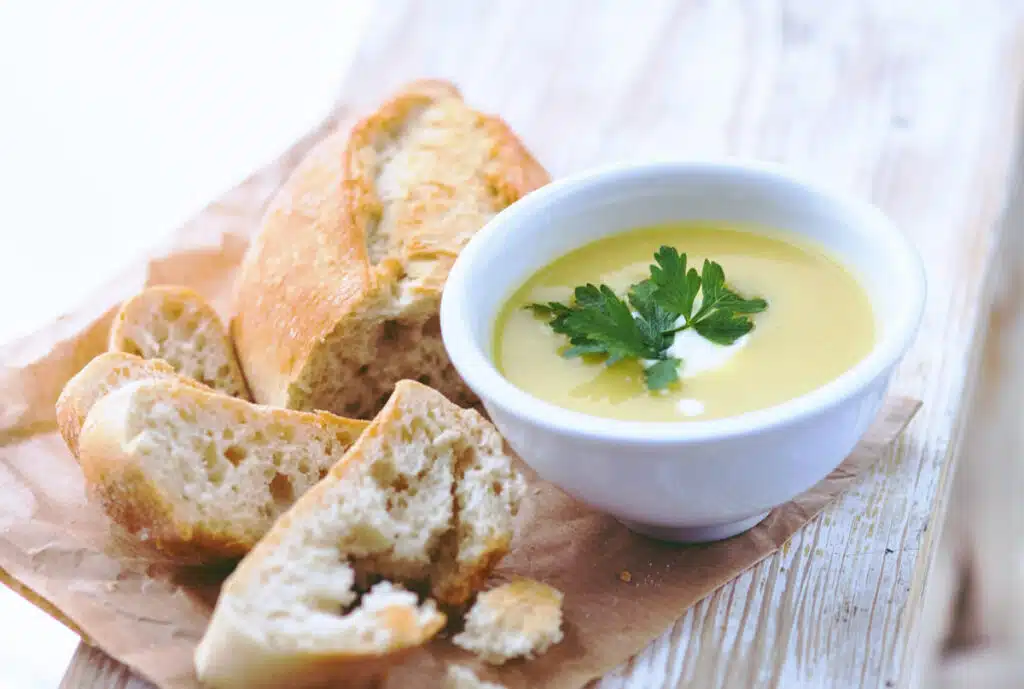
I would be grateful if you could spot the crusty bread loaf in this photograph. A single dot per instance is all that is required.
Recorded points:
(338, 296)
(460, 677)
(426, 496)
(199, 475)
(177, 325)
(516, 620)
(105, 373)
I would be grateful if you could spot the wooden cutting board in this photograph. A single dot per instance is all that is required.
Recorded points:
(912, 105)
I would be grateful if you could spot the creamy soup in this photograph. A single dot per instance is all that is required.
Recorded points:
(817, 324)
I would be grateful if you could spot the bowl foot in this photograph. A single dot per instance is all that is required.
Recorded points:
(695, 534)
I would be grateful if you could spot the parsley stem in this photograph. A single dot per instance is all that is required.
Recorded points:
(673, 331)
(703, 311)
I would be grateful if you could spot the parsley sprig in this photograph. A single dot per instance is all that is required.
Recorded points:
(598, 322)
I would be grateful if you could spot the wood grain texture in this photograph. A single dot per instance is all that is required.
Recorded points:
(984, 644)
(91, 667)
(913, 106)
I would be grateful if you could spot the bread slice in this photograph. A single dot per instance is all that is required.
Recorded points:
(343, 282)
(199, 475)
(104, 374)
(177, 325)
(520, 619)
(460, 677)
(332, 644)
(426, 496)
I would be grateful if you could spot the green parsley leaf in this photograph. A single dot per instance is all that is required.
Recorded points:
(676, 287)
(723, 327)
(737, 304)
(653, 320)
(544, 309)
(588, 295)
(662, 374)
(712, 286)
(603, 318)
(584, 348)
(555, 311)
(599, 322)
(721, 316)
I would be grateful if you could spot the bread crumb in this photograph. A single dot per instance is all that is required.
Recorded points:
(625, 576)
(520, 619)
(459, 677)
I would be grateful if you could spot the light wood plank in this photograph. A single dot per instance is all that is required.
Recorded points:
(986, 520)
(912, 107)
(91, 667)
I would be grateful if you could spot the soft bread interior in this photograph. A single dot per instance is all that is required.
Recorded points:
(214, 465)
(460, 677)
(104, 374)
(425, 496)
(177, 325)
(380, 347)
(436, 490)
(342, 645)
(519, 619)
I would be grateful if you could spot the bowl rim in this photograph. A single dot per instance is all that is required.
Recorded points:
(480, 373)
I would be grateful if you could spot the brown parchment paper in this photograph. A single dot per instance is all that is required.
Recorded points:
(54, 544)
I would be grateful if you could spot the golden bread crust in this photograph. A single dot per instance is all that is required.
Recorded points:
(356, 247)
(282, 309)
(101, 376)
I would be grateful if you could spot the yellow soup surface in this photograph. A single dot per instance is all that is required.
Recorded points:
(818, 324)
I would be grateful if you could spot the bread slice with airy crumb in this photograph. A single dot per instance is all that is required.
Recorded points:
(179, 326)
(101, 376)
(429, 496)
(520, 619)
(460, 677)
(426, 497)
(198, 475)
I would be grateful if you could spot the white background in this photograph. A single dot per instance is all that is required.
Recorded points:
(118, 121)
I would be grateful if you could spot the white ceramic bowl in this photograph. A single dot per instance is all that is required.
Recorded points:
(688, 481)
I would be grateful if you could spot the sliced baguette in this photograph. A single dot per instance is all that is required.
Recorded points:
(104, 374)
(198, 475)
(519, 619)
(426, 496)
(179, 326)
(344, 280)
